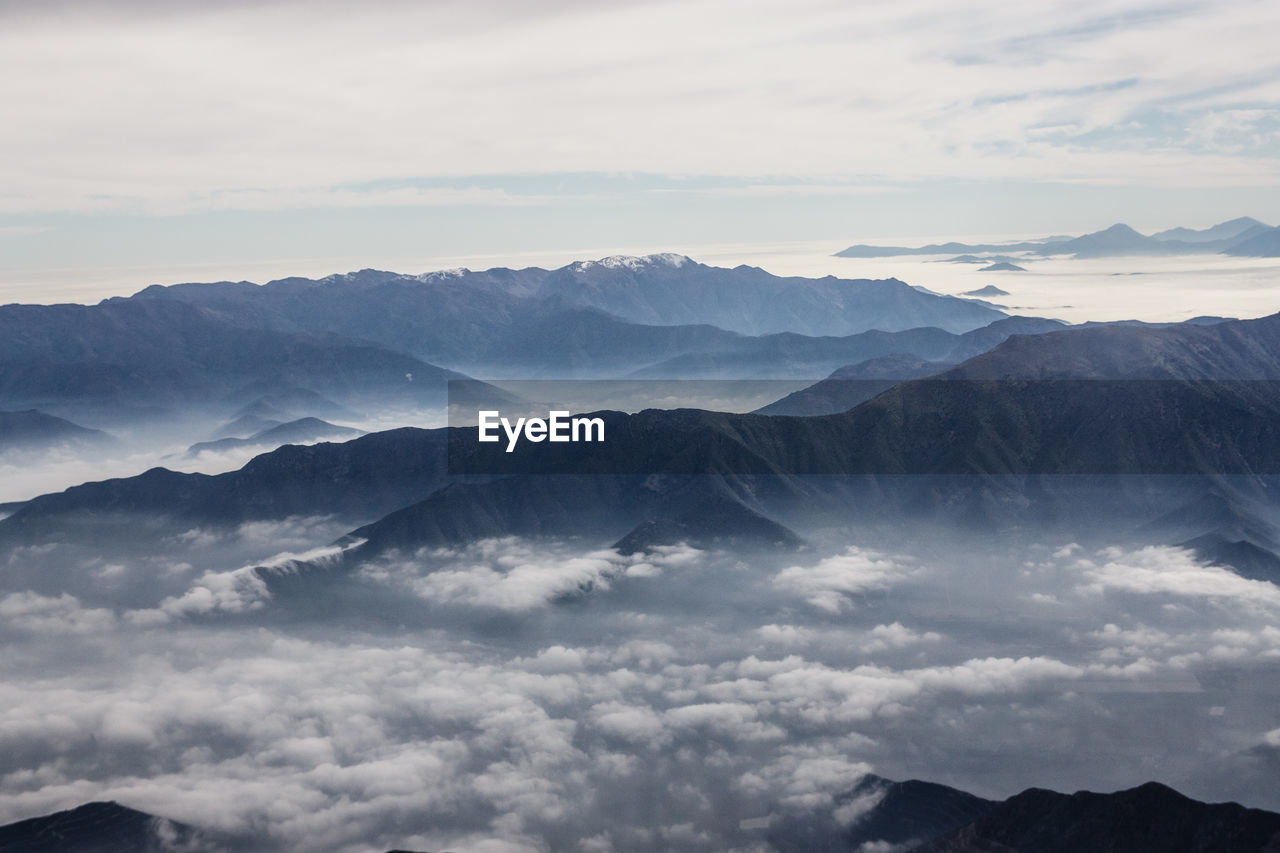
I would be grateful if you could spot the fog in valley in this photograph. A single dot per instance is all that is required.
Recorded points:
(518, 694)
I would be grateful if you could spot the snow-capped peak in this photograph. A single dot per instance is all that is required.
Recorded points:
(436, 275)
(631, 262)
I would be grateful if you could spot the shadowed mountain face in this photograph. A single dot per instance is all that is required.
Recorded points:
(129, 352)
(885, 813)
(101, 828)
(1150, 817)
(778, 356)
(360, 479)
(851, 385)
(1236, 350)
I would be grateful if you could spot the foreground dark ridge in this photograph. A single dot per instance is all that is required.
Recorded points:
(923, 817)
(101, 828)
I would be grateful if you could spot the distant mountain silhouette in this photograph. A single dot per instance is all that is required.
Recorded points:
(293, 432)
(33, 429)
(989, 290)
(1003, 266)
(463, 316)
(1263, 244)
(1222, 231)
(1118, 240)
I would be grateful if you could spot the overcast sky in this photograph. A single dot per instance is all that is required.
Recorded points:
(145, 132)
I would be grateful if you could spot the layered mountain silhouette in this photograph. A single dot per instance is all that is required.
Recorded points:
(293, 432)
(1198, 401)
(983, 442)
(1242, 236)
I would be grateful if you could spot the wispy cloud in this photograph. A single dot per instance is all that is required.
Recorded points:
(278, 105)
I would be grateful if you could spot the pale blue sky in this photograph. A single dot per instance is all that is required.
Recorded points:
(141, 133)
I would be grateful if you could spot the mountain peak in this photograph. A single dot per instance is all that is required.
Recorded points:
(438, 275)
(633, 262)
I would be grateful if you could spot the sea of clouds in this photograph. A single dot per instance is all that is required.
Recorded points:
(517, 695)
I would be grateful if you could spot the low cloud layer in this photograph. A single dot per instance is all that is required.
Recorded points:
(520, 695)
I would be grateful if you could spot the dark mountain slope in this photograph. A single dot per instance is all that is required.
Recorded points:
(361, 479)
(101, 828)
(786, 355)
(886, 815)
(152, 351)
(1233, 350)
(1150, 818)
(851, 385)
(1021, 430)
(705, 511)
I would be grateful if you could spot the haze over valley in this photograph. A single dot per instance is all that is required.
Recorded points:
(634, 427)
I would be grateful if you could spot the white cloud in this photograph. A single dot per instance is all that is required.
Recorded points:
(31, 613)
(514, 575)
(1176, 572)
(831, 584)
(152, 109)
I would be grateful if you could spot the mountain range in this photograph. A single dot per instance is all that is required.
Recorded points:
(374, 339)
(1198, 401)
(1244, 236)
(878, 814)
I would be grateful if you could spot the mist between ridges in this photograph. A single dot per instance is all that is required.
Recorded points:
(932, 426)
